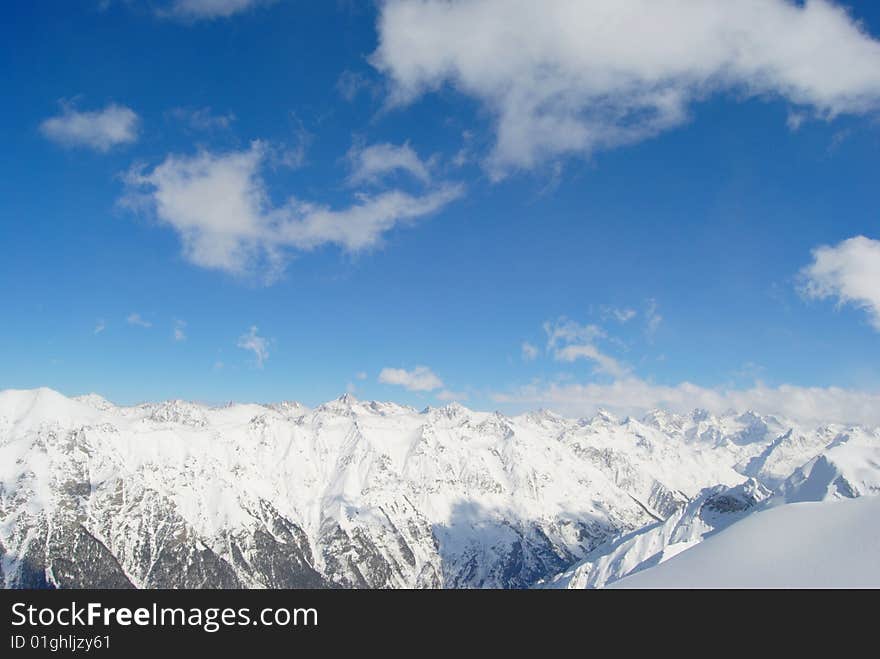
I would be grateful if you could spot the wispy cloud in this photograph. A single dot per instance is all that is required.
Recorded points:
(202, 119)
(795, 120)
(421, 378)
(136, 320)
(603, 363)
(179, 332)
(621, 315)
(570, 341)
(351, 83)
(848, 272)
(447, 395)
(652, 318)
(100, 326)
(100, 130)
(634, 396)
(564, 331)
(256, 344)
(369, 164)
(207, 9)
(529, 351)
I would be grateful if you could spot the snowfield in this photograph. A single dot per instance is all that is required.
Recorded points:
(379, 495)
(800, 545)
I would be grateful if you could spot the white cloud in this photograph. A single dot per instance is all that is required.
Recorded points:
(604, 363)
(620, 315)
(571, 341)
(795, 120)
(634, 396)
(566, 77)
(179, 333)
(292, 153)
(256, 344)
(529, 352)
(100, 326)
(203, 119)
(371, 163)
(464, 155)
(207, 9)
(219, 205)
(361, 375)
(564, 331)
(350, 84)
(421, 378)
(100, 130)
(447, 395)
(135, 319)
(625, 393)
(652, 318)
(848, 271)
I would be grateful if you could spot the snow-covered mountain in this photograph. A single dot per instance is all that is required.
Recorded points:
(370, 494)
(713, 509)
(848, 467)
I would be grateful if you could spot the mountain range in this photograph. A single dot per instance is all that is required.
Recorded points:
(357, 494)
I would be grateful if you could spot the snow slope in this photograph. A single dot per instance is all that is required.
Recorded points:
(848, 467)
(831, 544)
(714, 509)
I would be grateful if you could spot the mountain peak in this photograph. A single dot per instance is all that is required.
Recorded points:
(345, 403)
(95, 400)
(604, 416)
(450, 410)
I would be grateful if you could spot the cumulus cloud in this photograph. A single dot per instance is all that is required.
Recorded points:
(421, 378)
(256, 344)
(219, 205)
(207, 9)
(849, 272)
(136, 320)
(566, 77)
(634, 396)
(100, 130)
(369, 164)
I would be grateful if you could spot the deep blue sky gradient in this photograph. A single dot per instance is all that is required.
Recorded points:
(712, 220)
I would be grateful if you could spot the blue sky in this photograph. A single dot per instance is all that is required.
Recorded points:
(225, 199)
